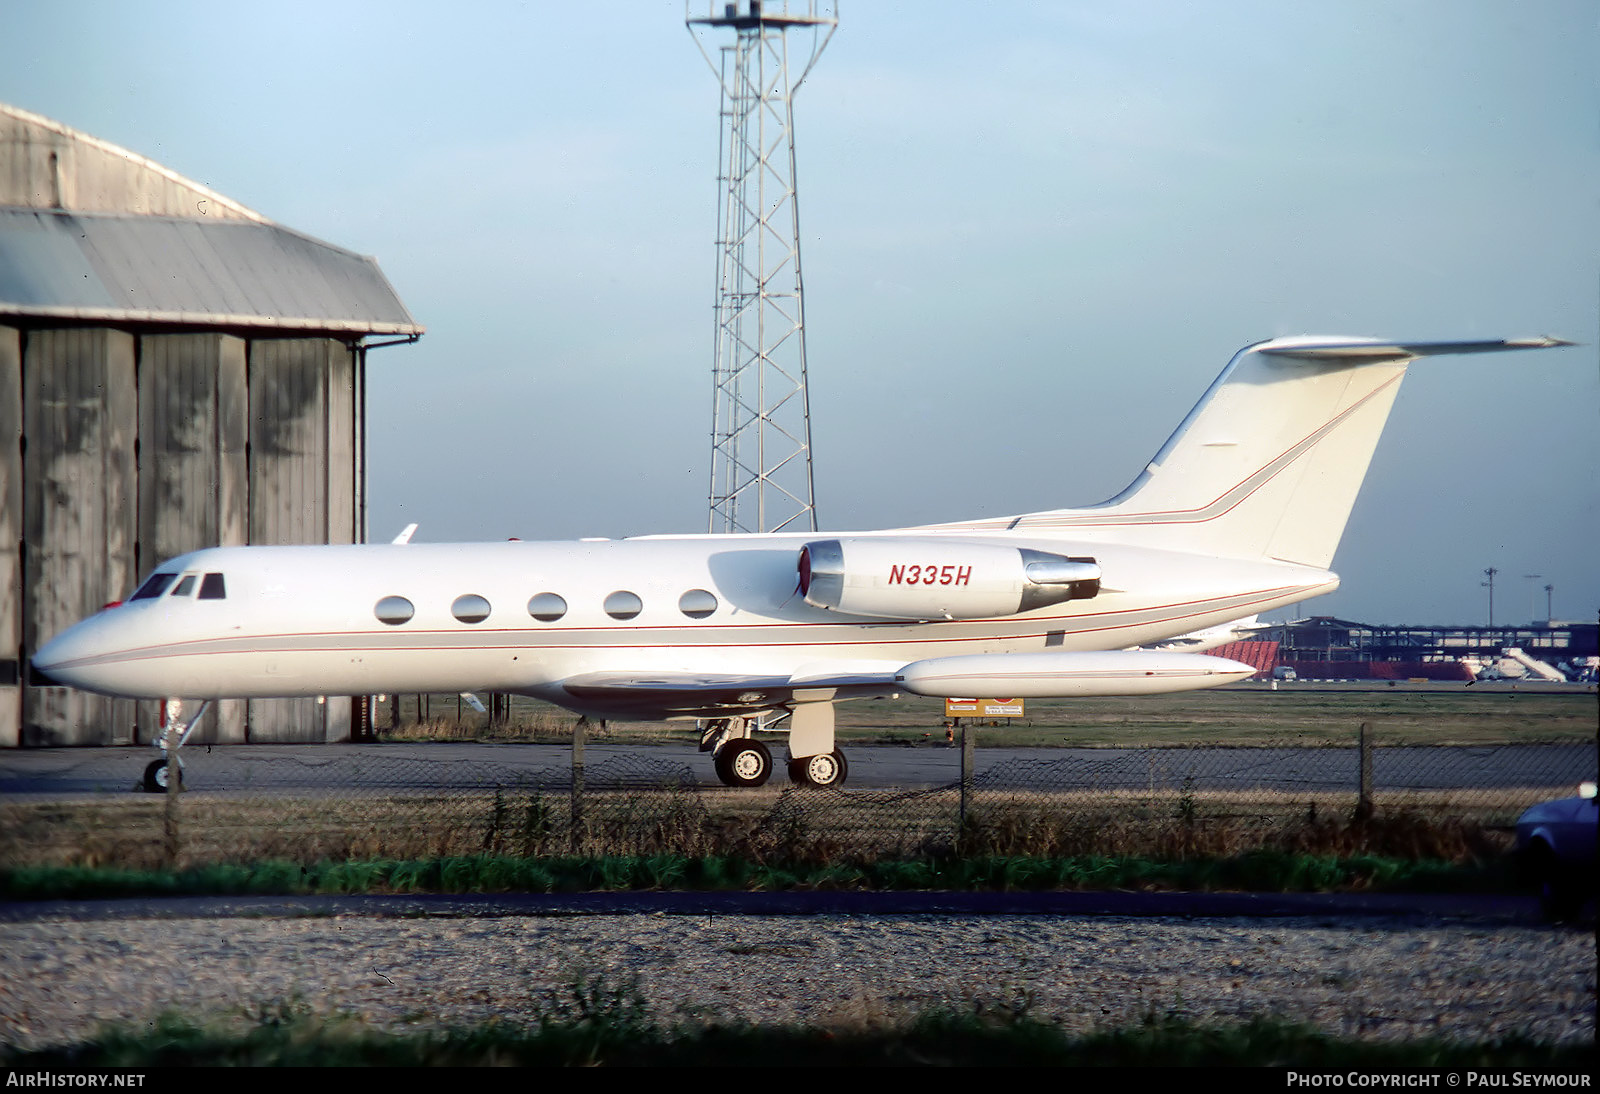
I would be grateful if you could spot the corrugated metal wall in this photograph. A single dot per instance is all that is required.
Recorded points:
(193, 409)
(10, 536)
(125, 451)
(302, 471)
(80, 421)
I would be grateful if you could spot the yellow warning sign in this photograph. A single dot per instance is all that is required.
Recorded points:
(983, 708)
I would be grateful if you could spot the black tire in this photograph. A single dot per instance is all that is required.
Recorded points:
(826, 769)
(155, 777)
(744, 761)
(1560, 894)
(1560, 899)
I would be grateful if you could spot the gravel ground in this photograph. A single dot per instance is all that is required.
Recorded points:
(1373, 977)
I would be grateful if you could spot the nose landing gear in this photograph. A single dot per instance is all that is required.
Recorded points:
(158, 774)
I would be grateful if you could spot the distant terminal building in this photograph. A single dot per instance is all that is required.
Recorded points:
(176, 371)
(1325, 648)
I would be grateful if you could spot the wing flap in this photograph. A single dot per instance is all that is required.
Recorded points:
(710, 695)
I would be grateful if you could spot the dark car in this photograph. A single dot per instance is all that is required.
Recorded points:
(1556, 851)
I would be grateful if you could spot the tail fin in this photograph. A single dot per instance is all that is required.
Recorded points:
(1269, 462)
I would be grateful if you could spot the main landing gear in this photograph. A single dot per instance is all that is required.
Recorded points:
(826, 769)
(741, 760)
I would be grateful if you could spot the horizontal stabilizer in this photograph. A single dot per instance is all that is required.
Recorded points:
(1352, 351)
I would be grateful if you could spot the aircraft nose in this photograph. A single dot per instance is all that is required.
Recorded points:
(68, 659)
(48, 658)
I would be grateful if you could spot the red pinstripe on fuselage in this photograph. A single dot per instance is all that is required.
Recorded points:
(300, 620)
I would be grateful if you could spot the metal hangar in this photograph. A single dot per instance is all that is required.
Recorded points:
(176, 371)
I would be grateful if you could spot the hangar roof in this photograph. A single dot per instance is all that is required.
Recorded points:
(92, 232)
(171, 270)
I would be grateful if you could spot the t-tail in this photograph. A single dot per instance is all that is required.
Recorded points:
(1269, 463)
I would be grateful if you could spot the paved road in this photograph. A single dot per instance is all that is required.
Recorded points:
(72, 772)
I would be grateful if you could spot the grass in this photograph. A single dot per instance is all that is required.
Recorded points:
(593, 1023)
(768, 824)
(1262, 870)
(1298, 714)
(527, 839)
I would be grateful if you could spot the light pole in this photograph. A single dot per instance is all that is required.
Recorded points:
(1489, 573)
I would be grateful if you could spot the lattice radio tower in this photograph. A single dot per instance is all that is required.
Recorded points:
(761, 414)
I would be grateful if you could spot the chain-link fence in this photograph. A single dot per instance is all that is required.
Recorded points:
(361, 802)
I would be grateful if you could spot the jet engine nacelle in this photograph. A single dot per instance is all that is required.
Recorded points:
(909, 578)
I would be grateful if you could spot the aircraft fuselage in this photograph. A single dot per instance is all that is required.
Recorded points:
(297, 621)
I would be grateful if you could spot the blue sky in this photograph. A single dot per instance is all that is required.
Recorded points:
(1033, 233)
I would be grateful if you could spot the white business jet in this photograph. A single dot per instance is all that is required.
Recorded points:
(1239, 513)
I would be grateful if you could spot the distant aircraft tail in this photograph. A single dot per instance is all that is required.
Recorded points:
(1269, 463)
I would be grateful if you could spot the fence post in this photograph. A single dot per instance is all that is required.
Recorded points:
(967, 743)
(578, 733)
(172, 836)
(1364, 806)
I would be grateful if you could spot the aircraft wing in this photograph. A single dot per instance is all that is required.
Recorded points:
(1059, 674)
(709, 695)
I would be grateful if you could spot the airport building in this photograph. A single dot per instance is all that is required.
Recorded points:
(1327, 648)
(176, 371)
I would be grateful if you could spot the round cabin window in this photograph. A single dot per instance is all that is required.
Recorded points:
(394, 610)
(697, 603)
(547, 607)
(470, 608)
(623, 604)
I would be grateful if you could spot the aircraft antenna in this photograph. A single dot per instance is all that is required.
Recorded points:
(761, 477)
